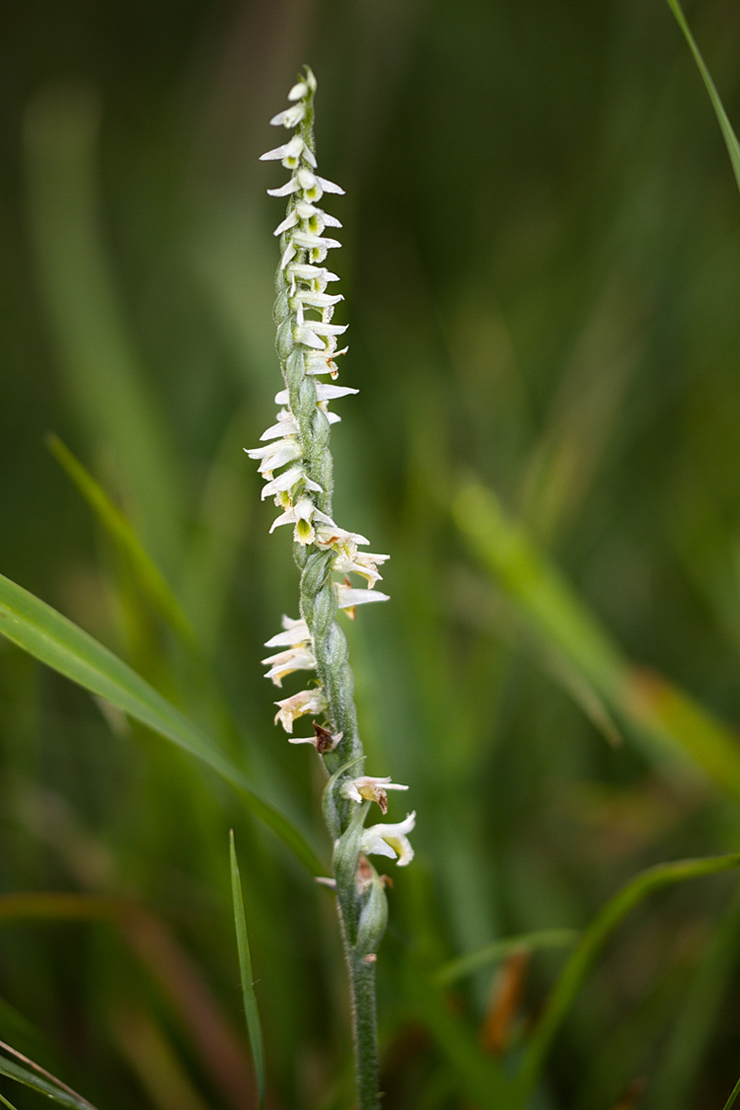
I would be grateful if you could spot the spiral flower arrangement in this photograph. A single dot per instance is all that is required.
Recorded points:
(296, 464)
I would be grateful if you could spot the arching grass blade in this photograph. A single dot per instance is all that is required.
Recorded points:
(251, 1012)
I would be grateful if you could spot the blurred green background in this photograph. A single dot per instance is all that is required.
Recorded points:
(541, 273)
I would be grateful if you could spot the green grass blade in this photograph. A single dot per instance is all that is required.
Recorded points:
(102, 369)
(674, 1080)
(499, 949)
(123, 535)
(42, 1081)
(733, 147)
(251, 1012)
(657, 710)
(46, 634)
(733, 1096)
(601, 928)
(7, 1103)
(481, 1077)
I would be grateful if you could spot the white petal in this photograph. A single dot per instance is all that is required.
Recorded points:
(309, 241)
(290, 150)
(295, 632)
(347, 597)
(290, 252)
(325, 328)
(285, 481)
(325, 391)
(308, 338)
(284, 190)
(291, 117)
(298, 91)
(286, 425)
(290, 221)
(329, 186)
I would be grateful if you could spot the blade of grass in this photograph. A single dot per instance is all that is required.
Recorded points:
(251, 1012)
(733, 147)
(46, 634)
(123, 535)
(41, 1080)
(673, 1082)
(657, 710)
(102, 370)
(733, 1096)
(498, 949)
(482, 1077)
(613, 913)
(5, 1102)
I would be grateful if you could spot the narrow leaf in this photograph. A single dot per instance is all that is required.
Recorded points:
(46, 634)
(733, 147)
(43, 1082)
(593, 940)
(733, 1096)
(499, 949)
(101, 366)
(123, 535)
(251, 1012)
(657, 710)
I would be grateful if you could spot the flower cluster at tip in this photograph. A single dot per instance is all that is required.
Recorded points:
(295, 461)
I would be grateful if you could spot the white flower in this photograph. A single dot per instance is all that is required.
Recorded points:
(295, 631)
(324, 392)
(315, 216)
(290, 153)
(298, 91)
(370, 789)
(333, 535)
(301, 515)
(291, 117)
(390, 840)
(290, 221)
(329, 186)
(317, 275)
(311, 298)
(305, 701)
(308, 241)
(288, 480)
(311, 332)
(313, 186)
(285, 190)
(275, 454)
(359, 562)
(348, 599)
(296, 658)
(286, 425)
(327, 392)
(322, 362)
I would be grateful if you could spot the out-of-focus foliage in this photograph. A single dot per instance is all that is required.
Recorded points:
(541, 273)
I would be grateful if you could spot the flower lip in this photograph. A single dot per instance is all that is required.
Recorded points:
(390, 840)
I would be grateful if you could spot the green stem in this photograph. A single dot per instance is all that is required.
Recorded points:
(364, 1025)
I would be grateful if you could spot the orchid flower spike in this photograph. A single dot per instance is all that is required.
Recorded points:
(294, 459)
